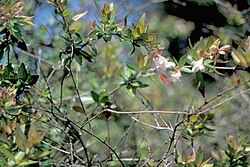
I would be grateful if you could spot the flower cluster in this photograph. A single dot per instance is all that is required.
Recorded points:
(212, 52)
(13, 12)
(168, 70)
(8, 12)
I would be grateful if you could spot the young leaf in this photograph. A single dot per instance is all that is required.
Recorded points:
(193, 118)
(67, 13)
(28, 162)
(142, 25)
(95, 96)
(79, 16)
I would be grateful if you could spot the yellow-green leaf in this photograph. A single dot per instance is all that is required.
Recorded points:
(140, 61)
(67, 13)
(28, 162)
(142, 24)
(193, 118)
(45, 153)
(20, 139)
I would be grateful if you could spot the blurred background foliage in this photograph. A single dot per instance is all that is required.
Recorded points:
(177, 23)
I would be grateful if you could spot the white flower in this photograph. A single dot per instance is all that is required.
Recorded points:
(175, 76)
(160, 64)
(198, 65)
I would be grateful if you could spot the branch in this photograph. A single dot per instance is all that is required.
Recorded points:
(146, 112)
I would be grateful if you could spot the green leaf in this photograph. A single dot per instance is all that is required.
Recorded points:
(105, 99)
(131, 66)
(86, 56)
(186, 70)
(76, 28)
(199, 157)
(32, 79)
(210, 117)
(67, 13)
(78, 109)
(200, 83)
(7, 153)
(22, 72)
(95, 96)
(16, 32)
(131, 91)
(93, 48)
(20, 139)
(113, 14)
(79, 16)
(183, 60)
(22, 45)
(2, 161)
(126, 19)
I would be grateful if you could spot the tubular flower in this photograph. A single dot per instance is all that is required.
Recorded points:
(160, 64)
(175, 76)
(198, 65)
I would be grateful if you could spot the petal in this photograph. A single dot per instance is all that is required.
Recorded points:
(202, 68)
(222, 52)
(195, 69)
(225, 48)
(164, 79)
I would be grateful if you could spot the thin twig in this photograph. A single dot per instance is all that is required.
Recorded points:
(146, 112)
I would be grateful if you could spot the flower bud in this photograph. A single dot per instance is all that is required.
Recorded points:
(225, 48)
(18, 5)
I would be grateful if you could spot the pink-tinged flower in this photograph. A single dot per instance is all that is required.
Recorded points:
(224, 49)
(160, 64)
(198, 65)
(175, 75)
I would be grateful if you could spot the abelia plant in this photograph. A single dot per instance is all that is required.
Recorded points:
(63, 113)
